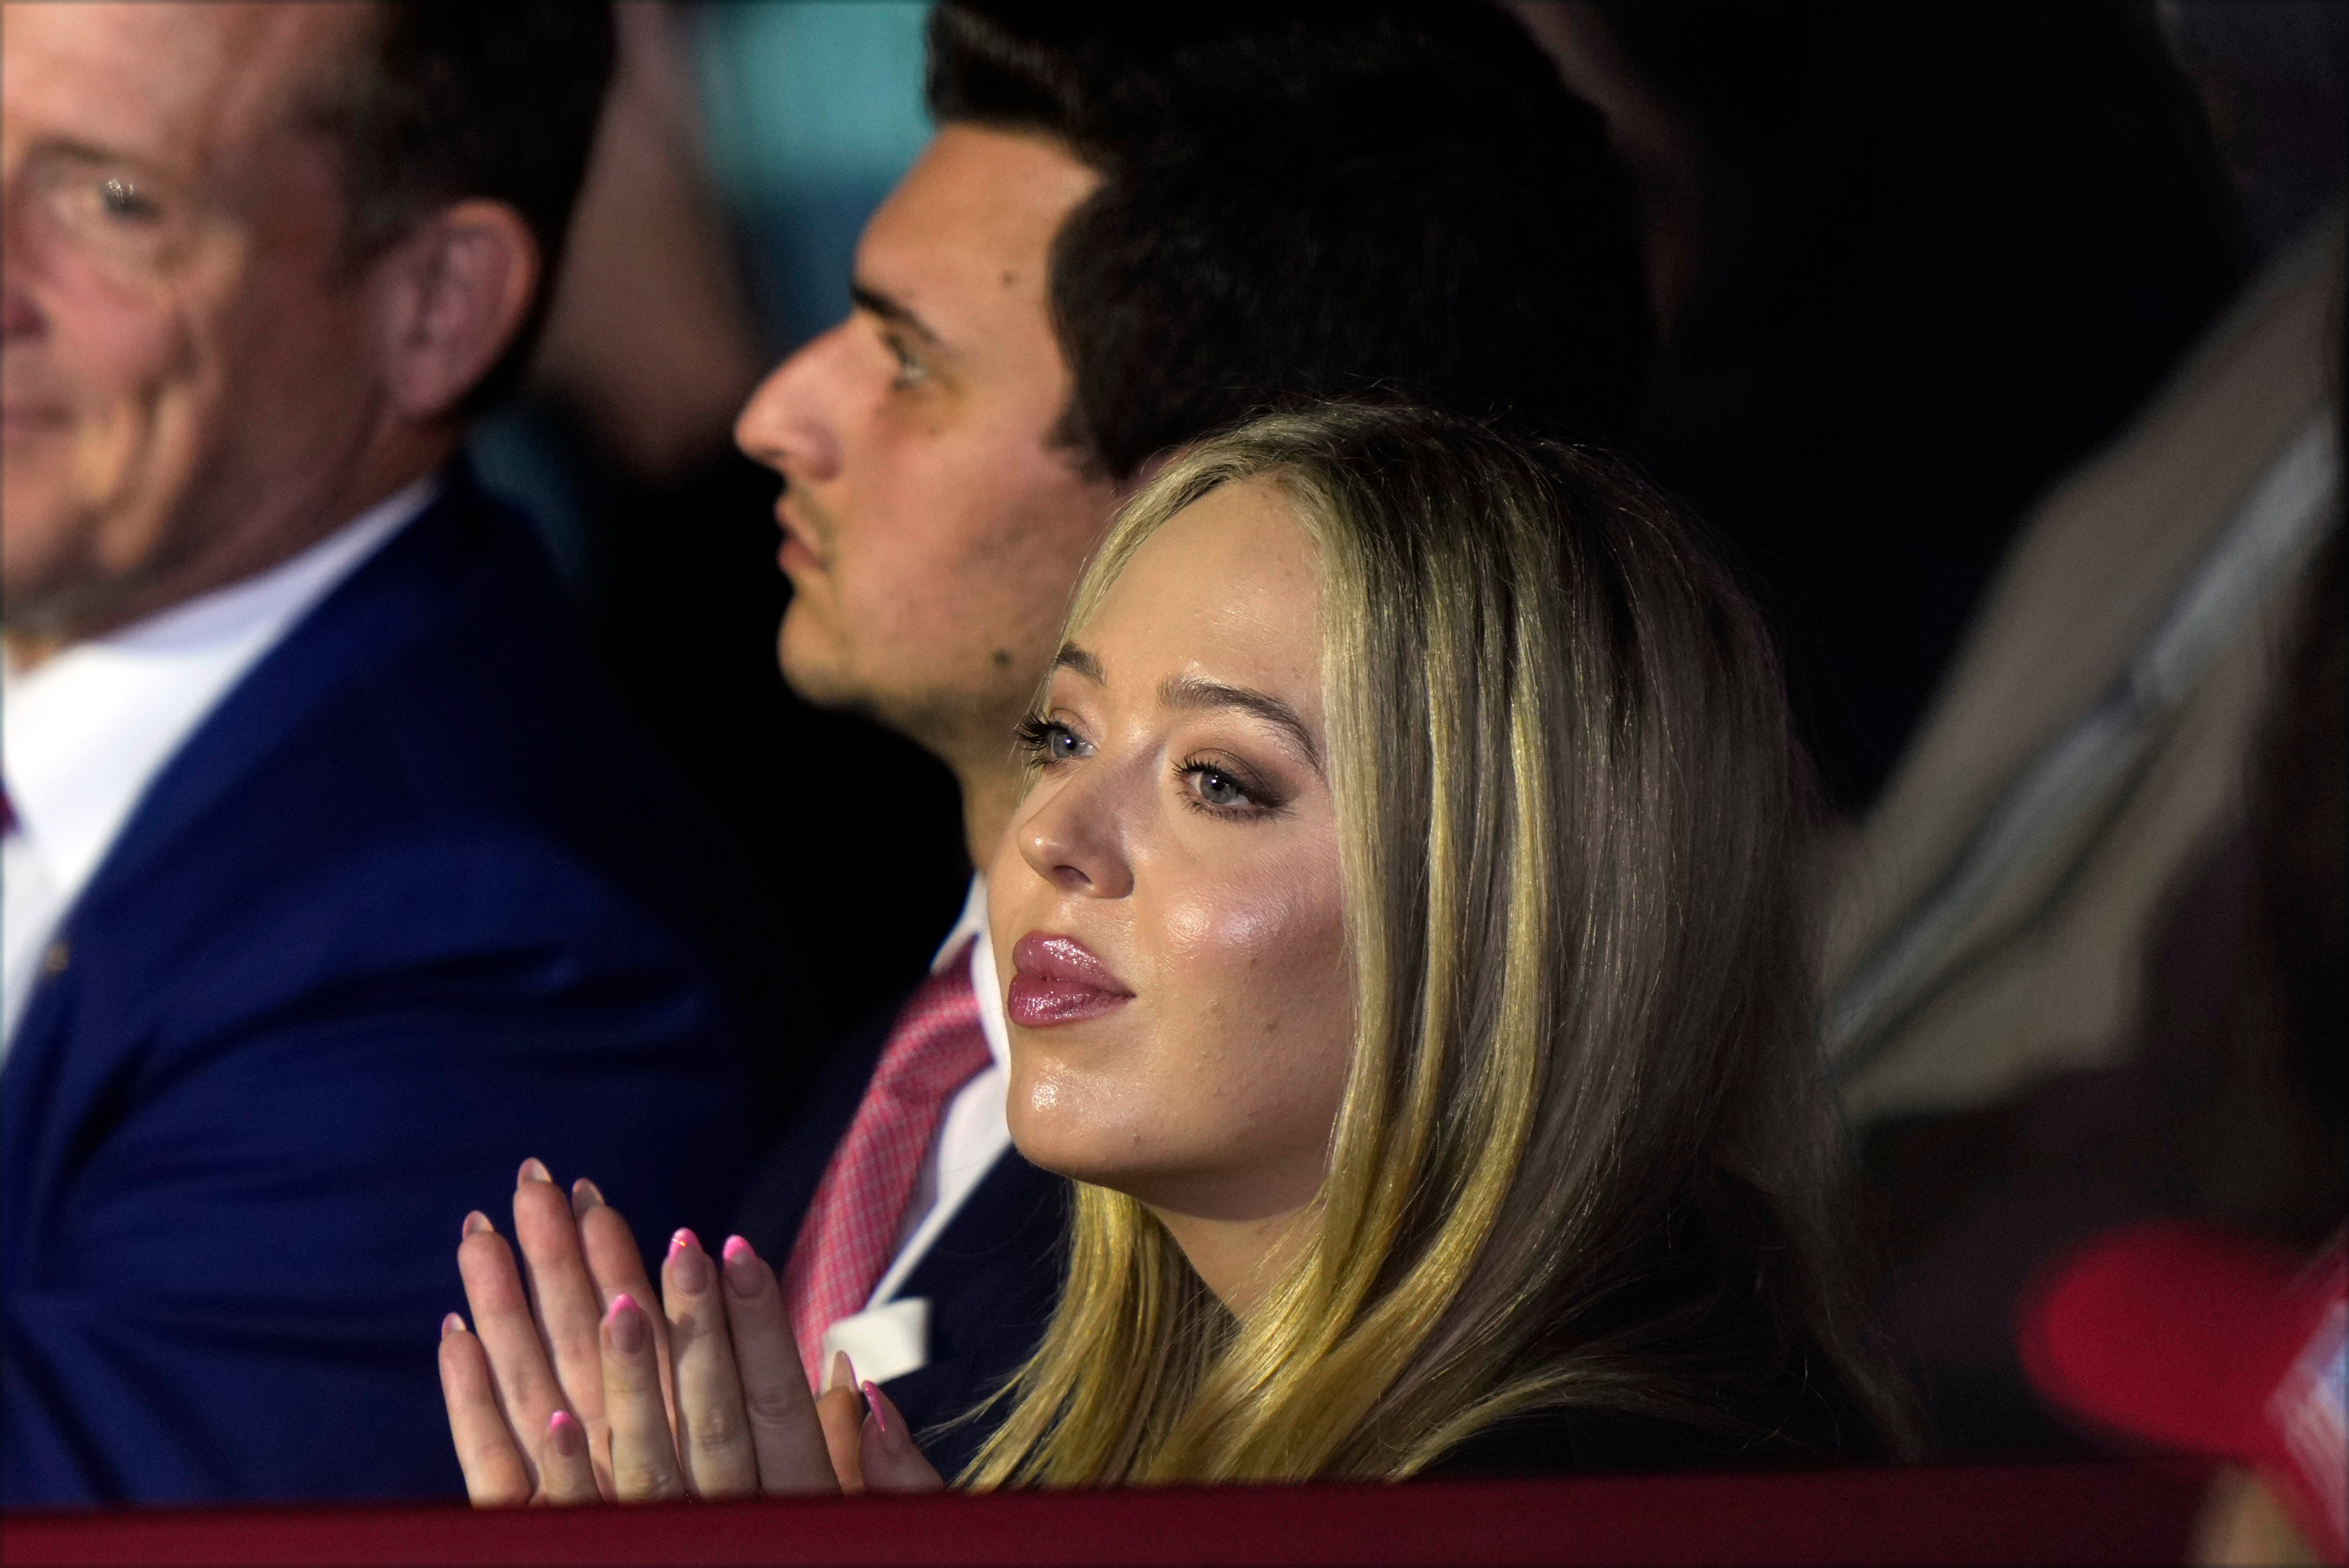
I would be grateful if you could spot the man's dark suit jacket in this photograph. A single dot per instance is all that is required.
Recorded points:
(406, 908)
(992, 1275)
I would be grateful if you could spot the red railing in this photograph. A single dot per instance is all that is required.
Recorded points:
(2090, 1513)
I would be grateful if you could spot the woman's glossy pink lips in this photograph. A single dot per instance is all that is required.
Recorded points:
(1058, 980)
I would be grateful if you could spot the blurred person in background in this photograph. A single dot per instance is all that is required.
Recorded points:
(2059, 948)
(1133, 227)
(1911, 264)
(2142, 1017)
(2226, 1332)
(329, 880)
(1951, 358)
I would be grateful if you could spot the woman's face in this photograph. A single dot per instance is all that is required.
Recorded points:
(1165, 909)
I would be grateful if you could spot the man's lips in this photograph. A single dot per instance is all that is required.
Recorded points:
(1058, 980)
(798, 549)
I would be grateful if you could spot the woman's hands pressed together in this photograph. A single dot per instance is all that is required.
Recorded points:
(579, 1384)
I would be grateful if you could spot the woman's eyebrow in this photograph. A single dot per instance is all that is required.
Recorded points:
(1072, 658)
(1192, 691)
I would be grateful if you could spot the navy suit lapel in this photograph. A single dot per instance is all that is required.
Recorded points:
(390, 601)
(992, 1277)
(394, 597)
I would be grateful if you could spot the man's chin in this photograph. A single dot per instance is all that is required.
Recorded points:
(796, 651)
(35, 572)
(816, 667)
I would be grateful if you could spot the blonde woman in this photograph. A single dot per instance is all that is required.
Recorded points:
(1407, 961)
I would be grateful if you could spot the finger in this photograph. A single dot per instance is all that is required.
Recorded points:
(566, 1475)
(525, 1385)
(644, 1454)
(891, 1460)
(784, 1432)
(840, 1411)
(567, 1310)
(618, 1269)
(495, 1473)
(713, 1430)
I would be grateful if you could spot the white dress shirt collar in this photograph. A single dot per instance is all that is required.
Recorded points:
(972, 927)
(84, 733)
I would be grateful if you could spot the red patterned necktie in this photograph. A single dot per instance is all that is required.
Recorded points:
(935, 1046)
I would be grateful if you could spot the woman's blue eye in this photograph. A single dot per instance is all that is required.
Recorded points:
(1219, 789)
(1047, 740)
(1230, 793)
(1227, 791)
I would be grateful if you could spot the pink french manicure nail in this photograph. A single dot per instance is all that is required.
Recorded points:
(689, 1267)
(532, 1170)
(475, 1223)
(873, 1401)
(627, 1321)
(562, 1430)
(742, 1270)
(452, 1324)
(585, 1195)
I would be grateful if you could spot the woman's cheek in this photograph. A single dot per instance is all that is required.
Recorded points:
(1272, 944)
(1265, 992)
(1224, 941)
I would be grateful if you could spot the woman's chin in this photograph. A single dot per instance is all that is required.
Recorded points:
(1047, 1143)
(1077, 1165)
(1051, 1138)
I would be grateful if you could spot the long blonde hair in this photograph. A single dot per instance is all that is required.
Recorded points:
(1580, 1160)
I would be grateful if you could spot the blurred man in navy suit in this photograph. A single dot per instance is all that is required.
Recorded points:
(330, 888)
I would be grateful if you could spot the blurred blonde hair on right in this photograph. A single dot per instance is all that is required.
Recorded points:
(1582, 1158)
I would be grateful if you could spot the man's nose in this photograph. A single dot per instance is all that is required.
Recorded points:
(791, 423)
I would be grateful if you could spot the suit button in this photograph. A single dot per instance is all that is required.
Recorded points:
(54, 960)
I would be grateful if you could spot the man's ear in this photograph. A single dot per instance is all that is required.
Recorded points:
(454, 294)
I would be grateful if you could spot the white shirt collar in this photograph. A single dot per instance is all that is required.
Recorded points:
(972, 927)
(84, 733)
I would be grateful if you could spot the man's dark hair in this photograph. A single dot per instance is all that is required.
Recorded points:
(451, 100)
(1304, 201)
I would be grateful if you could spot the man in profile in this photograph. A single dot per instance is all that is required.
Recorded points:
(329, 889)
(1136, 223)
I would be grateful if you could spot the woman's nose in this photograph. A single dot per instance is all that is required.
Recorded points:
(791, 423)
(1072, 839)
